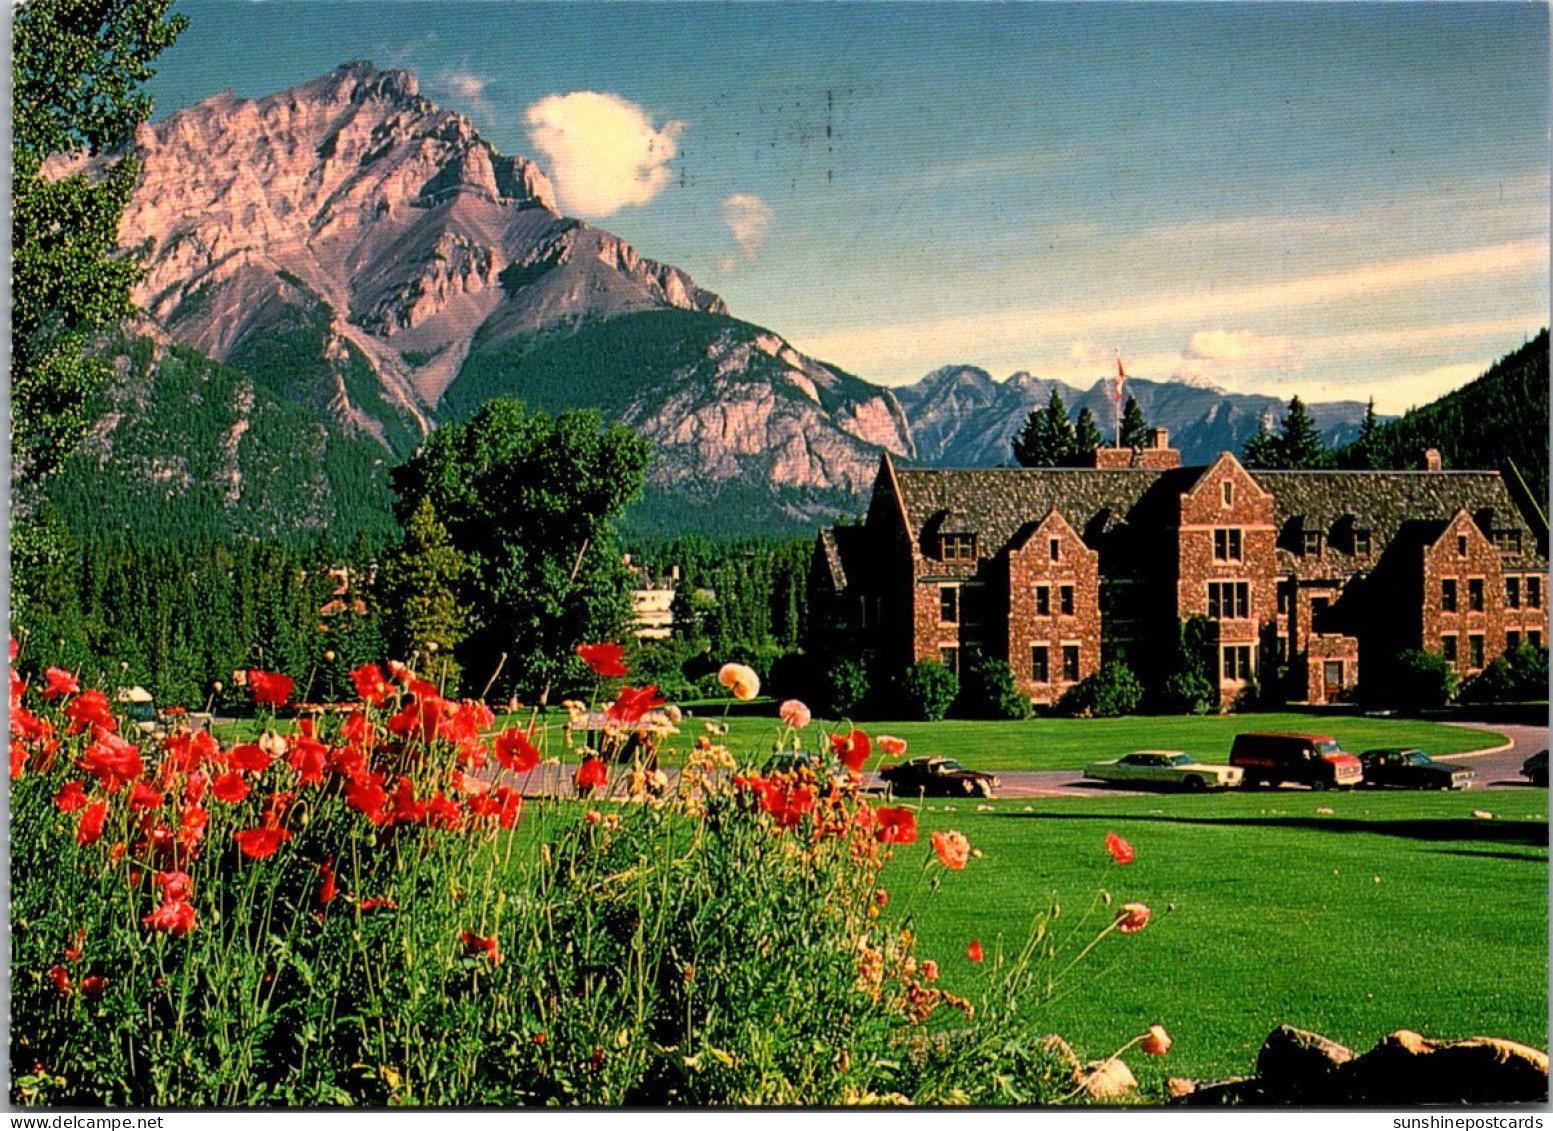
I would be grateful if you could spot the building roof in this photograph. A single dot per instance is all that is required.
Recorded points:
(840, 545)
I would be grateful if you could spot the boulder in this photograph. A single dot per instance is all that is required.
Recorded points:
(1408, 1068)
(1106, 1079)
(1298, 1065)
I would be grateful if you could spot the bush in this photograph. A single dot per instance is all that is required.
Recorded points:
(1111, 691)
(988, 691)
(1414, 680)
(1519, 674)
(278, 924)
(844, 686)
(926, 691)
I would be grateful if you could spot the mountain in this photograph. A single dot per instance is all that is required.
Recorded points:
(961, 417)
(362, 253)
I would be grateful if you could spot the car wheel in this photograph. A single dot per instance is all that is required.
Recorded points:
(1194, 784)
(1319, 786)
(984, 789)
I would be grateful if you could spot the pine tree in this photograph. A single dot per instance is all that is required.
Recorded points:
(1363, 454)
(1046, 440)
(1300, 444)
(1028, 444)
(1086, 436)
(1135, 429)
(1261, 452)
(420, 594)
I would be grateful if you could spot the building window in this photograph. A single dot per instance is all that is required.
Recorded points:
(1056, 548)
(1040, 664)
(1448, 595)
(1229, 600)
(1228, 493)
(950, 658)
(1512, 640)
(1448, 647)
(1461, 545)
(1507, 541)
(1310, 542)
(1361, 543)
(1512, 592)
(1534, 638)
(1318, 613)
(1475, 594)
(1043, 600)
(1475, 650)
(1065, 600)
(1070, 663)
(949, 604)
(957, 547)
(1226, 545)
(1235, 663)
(1534, 592)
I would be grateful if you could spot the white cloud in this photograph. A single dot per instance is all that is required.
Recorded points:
(467, 85)
(1239, 346)
(749, 219)
(604, 153)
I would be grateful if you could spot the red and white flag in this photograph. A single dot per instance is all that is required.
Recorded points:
(1121, 376)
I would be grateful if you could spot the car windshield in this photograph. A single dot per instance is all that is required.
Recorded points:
(1180, 759)
(1328, 747)
(1416, 758)
(947, 766)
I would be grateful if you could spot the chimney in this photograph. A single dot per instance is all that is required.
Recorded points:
(1159, 438)
(1432, 461)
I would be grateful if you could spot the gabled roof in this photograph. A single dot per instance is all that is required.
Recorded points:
(841, 545)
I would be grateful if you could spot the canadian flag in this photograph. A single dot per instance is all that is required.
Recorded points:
(1121, 376)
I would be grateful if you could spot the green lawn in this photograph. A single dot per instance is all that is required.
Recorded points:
(1388, 911)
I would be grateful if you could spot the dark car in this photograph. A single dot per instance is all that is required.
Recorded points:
(937, 777)
(1410, 768)
(1535, 768)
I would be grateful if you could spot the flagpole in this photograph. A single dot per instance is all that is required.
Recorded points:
(1121, 376)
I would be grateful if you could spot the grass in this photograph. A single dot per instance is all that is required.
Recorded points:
(1062, 744)
(1352, 915)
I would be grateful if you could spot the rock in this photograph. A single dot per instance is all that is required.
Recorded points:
(1295, 1064)
(1408, 1068)
(1106, 1079)
(1063, 1052)
(1232, 1092)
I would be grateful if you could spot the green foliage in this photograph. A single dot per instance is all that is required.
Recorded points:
(1135, 429)
(1413, 680)
(422, 614)
(1363, 453)
(1494, 422)
(1188, 686)
(1296, 447)
(844, 687)
(1518, 674)
(1111, 691)
(532, 501)
(77, 67)
(988, 691)
(1046, 439)
(926, 691)
(1086, 434)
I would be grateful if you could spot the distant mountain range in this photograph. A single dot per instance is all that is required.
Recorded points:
(361, 265)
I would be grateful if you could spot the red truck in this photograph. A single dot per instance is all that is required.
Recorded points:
(1315, 760)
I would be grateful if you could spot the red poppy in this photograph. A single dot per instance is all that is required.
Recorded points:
(112, 761)
(229, 787)
(93, 986)
(1132, 917)
(60, 683)
(423, 716)
(175, 917)
(852, 750)
(74, 950)
(18, 759)
(270, 688)
(952, 848)
(1120, 850)
(275, 808)
(475, 945)
(191, 825)
(406, 810)
(973, 952)
(896, 826)
(514, 751)
(250, 756)
(327, 889)
(511, 806)
(187, 750)
(260, 843)
(604, 659)
(89, 709)
(174, 885)
(89, 826)
(367, 796)
(591, 774)
(442, 812)
(634, 702)
(70, 797)
(371, 685)
(308, 759)
(61, 979)
(374, 904)
(142, 796)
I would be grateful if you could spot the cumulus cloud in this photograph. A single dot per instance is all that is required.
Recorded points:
(467, 85)
(1240, 345)
(603, 152)
(749, 219)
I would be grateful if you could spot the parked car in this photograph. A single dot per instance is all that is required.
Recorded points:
(1535, 768)
(1165, 768)
(1411, 768)
(1315, 760)
(937, 777)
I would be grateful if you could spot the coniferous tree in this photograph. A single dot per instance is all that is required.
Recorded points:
(1261, 452)
(1300, 445)
(1363, 453)
(420, 595)
(1135, 429)
(1086, 435)
(1046, 440)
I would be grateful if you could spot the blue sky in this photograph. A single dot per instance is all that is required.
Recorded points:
(1332, 200)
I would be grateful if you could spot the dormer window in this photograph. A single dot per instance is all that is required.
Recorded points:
(1507, 541)
(1310, 542)
(1361, 543)
(957, 547)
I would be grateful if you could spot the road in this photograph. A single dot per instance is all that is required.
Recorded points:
(1495, 769)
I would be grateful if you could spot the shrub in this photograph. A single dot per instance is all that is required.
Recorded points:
(844, 686)
(1413, 680)
(1113, 690)
(1518, 674)
(988, 691)
(926, 691)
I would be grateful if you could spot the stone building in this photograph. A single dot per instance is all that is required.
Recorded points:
(1312, 574)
